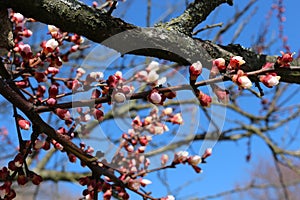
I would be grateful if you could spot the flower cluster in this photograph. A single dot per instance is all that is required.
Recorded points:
(183, 157)
(132, 164)
(16, 170)
(150, 75)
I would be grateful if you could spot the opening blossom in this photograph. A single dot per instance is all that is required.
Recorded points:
(236, 62)
(242, 80)
(285, 59)
(220, 64)
(270, 79)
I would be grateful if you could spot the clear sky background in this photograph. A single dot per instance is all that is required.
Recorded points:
(228, 165)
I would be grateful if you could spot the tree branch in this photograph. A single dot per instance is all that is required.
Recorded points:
(160, 42)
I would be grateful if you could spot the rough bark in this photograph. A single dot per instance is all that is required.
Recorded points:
(166, 41)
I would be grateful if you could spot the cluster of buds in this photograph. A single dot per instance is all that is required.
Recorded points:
(183, 158)
(135, 142)
(16, 165)
(150, 75)
(118, 91)
(219, 65)
(19, 33)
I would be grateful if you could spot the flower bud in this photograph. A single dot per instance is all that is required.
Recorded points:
(236, 62)
(204, 99)
(50, 45)
(207, 153)
(194, 160)
(220, 64)
(270, 80)
(155, 98)
(23, 124)
(195, 70)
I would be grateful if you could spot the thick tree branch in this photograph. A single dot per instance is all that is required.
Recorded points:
(165, 43)
(195, 13)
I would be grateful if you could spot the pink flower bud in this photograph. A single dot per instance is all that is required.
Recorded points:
(285, 59)
(141, 149)
(98, 114)
(23, 124)
(22, 179)
(145, 182)
(167, 111)
(72, 158)
(154, 97)
(27, 33)
(51, 45)
(170, 95)
(207, 153)
(119, 74)
(147, 162)
(236, 62)
(220, 64)
(177, 119)
(63, 114)
(80, 72)
(40, 77)
(112, 81)
(95, 4)
(270, 80)
(25, 50)
(195, 70)
(242, 80)
(164, 159)
(74, 48)
(22, 84)
(129, 148)
(180, 157)
(143, 140)
(194, 160)
(169, 197)
(52, 70)
(136, 122)
(17, 18)
(51, 101)
(53, 90)
(204, 99)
